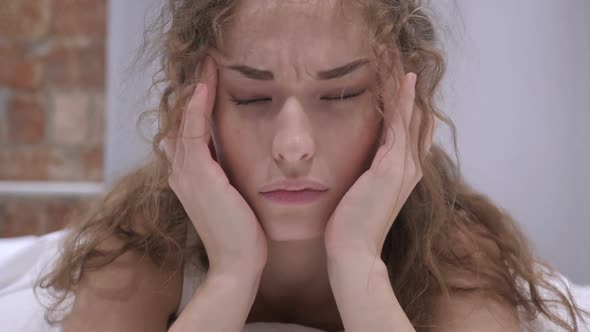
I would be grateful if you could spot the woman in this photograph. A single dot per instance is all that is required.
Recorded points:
(295, 181)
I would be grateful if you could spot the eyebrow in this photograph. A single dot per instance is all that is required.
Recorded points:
(267, 75)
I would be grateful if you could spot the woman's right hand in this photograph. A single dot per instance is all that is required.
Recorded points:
(226, 224)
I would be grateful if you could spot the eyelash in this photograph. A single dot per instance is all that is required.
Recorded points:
(258, 100)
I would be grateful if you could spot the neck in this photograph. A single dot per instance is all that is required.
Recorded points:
(295, 288)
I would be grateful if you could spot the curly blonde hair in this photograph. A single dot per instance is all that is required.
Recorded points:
(445, 228)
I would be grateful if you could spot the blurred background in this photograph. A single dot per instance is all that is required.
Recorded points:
(517, 87)
(52, 110)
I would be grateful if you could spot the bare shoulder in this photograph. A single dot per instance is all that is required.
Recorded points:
(132, 293)
(475, 311)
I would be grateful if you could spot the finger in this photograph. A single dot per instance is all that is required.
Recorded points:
(209, 77)
(196, 129)
(393, 130)
(200, 106)
(389, 100)
(189, 93)
(400, 113)
(414, 147)
(170, 143)
(404, 164)
(177, 111)
(177, 141)
(412, 118)
(398, 160)
(169, 147)
(406, 100)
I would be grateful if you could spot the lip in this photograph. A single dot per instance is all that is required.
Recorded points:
(293, 185)
(305, 196)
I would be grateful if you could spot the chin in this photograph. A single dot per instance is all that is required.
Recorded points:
(283, 229)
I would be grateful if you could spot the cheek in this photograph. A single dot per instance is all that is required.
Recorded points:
(351, 146)
(235, 142)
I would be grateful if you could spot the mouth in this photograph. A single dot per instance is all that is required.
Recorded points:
(289, 197)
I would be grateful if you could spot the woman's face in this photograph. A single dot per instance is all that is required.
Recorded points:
(295, 126)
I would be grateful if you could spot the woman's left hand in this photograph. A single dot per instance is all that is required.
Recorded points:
(362, 219)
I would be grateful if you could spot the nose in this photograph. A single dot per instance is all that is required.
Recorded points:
(293, 144)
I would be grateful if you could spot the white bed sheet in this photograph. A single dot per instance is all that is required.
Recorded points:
(23, 259)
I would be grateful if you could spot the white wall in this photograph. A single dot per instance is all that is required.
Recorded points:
(517, 90)
(126, 87)
(519, 95)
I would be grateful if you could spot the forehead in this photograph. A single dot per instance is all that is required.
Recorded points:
(328, 31)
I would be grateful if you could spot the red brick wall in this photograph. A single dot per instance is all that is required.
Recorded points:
(38, 215)
(52, 77)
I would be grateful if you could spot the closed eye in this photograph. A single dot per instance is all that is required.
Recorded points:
(250, 101)
(262, 100)
(343, 97)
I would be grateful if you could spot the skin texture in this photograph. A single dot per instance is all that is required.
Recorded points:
(296, 134)
(322, 268)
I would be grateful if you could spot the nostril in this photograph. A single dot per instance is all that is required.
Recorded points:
(294, 156)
